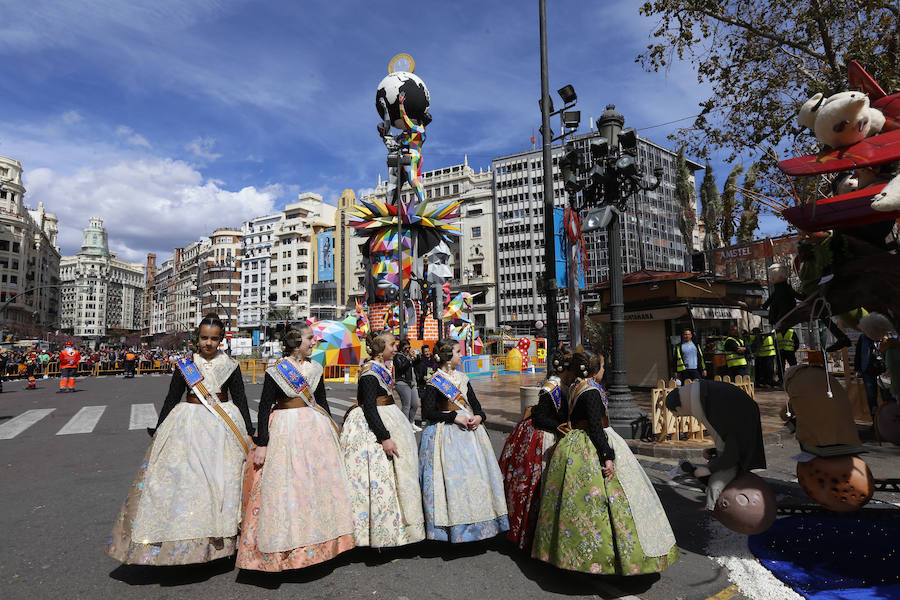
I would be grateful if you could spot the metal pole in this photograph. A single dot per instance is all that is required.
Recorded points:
(401, 310)
(622, 409)
(547, 139)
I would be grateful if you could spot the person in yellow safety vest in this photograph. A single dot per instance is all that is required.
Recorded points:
(130, 358)
(763, 347)
(735, 353)
(787, 346)
(689, 358)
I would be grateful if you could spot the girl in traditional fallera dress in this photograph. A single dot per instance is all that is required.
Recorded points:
(462, 486)
(380, 453)
(185, 503)
(526, 453)
(599, 511)
(297, 509)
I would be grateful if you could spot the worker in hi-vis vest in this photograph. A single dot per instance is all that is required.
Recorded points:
(735, 353)
(689, 362)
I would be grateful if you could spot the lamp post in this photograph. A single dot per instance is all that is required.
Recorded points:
(614, 177)
(568, 119)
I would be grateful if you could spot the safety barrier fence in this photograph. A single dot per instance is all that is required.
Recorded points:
(51, 369)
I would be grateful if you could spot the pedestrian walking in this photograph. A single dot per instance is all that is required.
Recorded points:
(689, 362)
(526, 453)
(185, 503)
(462, 486)
(69, 358)
(297, 509)
(599, 512)
(406, 387)
(380, 454)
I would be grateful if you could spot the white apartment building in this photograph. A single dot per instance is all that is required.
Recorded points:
(158, 298)
(256, 244)
(101, 294)
(219, 272)
(650, 228)
(29, 257)
(473, 254)
(291, 258)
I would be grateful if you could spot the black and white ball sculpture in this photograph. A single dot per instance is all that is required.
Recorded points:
(417, 97)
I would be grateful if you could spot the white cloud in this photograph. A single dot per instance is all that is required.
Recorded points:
(202, 147)
(128, 134)
(71, 117)
(148, 205)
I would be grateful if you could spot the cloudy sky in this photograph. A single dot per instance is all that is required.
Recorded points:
(172, 117)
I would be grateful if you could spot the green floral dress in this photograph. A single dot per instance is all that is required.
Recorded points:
(586, 523)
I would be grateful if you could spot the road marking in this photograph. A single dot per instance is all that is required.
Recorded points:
(727, 594)
(84, 420)
(17, 425)
(142, 416)
(615, 592)
(254, 416)
(345, 403)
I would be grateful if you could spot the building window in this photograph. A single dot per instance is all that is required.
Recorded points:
(476, 232)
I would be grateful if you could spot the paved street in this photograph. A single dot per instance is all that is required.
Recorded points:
(68, 460)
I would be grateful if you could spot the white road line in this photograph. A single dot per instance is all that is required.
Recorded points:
(142, 416)
(345, 403)
(254, 416)
(84, 420)
(17, 425)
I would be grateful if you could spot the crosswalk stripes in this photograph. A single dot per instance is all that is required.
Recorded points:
(142, 416)
(17, 425)
(84, 420)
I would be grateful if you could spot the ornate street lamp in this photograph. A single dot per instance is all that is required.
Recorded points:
(613, 178)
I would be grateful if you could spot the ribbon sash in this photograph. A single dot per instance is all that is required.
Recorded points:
(556, 395)
(194, 380)
(295, 379)
(300, 385)
(446, 387)
(384, 373)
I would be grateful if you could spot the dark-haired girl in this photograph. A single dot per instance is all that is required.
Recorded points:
(526, 453)
(462, 487)
(185, 503)
(297, 509)
(599, 513)
(380, 453)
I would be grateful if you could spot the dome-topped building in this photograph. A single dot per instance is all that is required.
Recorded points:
(93, 239)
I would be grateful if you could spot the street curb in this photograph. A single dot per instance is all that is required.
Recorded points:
(501, 426)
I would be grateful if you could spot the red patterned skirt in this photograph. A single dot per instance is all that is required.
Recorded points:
(523, 462)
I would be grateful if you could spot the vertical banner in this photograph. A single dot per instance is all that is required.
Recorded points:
(560, 241)
(256, 337)
(326, 256)
(562, 251)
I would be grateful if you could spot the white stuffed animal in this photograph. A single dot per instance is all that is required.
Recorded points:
(845, 119)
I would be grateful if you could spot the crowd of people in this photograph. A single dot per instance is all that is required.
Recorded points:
(299, 490)
(33, 361)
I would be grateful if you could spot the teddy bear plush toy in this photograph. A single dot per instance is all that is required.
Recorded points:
(844, 119)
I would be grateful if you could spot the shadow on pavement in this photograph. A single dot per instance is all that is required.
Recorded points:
(173, 575)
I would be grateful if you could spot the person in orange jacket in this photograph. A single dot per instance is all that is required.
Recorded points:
(69, 358)
(130, 359)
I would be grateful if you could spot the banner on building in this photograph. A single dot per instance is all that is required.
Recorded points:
(326, 256)
(256, 337)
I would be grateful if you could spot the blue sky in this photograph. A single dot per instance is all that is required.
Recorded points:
(170, 118)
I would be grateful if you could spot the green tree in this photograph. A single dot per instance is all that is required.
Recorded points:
(729, 193)
(686, 194)
(712, 209)
(764, 59)
(749, 221)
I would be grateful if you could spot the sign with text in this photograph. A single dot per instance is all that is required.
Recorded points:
(768, 248)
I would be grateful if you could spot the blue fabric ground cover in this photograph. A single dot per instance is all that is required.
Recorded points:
(826, 558)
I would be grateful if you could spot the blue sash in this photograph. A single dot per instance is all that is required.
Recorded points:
(555, 395)
(603, 395)
(294, 378)
(189, 370)
(385, 375)
(446, 387)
